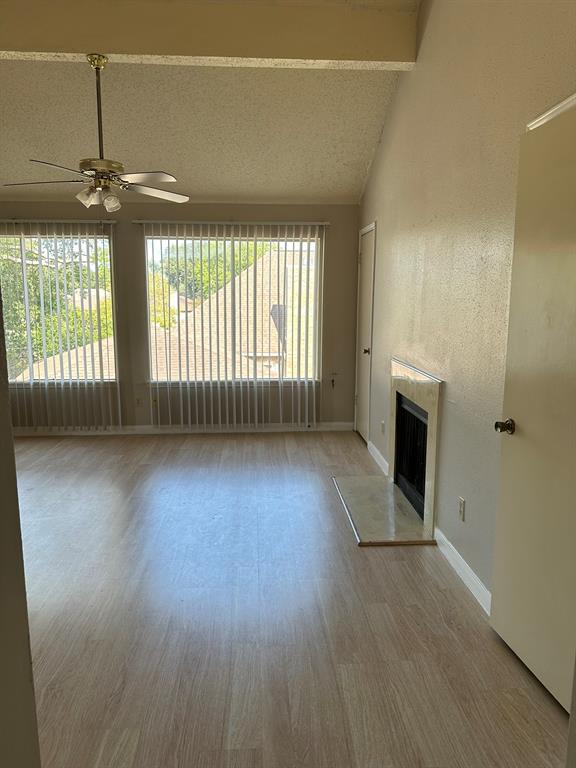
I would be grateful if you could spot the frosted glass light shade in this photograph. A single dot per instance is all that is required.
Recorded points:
(111, 201)
(87, 197)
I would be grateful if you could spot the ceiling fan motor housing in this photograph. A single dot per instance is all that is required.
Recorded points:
(105, 172)
(100, 165)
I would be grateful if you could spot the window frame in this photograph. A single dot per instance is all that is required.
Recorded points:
(53, 376)
(251, 235)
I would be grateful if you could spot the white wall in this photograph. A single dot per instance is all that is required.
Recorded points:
(442, 189)
(571, 758)
(18, 731)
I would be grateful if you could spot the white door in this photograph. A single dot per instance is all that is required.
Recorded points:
(364, 329)
(534, 589)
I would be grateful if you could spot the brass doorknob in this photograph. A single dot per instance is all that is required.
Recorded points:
(508, 426)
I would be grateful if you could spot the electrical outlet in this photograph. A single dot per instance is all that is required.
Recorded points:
(462, 508)
(383, 427)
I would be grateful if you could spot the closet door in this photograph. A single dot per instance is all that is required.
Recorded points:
(364, 329)
(534, 585)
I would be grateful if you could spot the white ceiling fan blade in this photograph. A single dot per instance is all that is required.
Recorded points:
(57, 181)
(147, 177)
(161, 193)
(63, 168)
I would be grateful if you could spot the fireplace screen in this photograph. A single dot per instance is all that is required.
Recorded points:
(410, 456)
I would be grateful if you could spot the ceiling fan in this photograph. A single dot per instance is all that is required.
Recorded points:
(104, 176)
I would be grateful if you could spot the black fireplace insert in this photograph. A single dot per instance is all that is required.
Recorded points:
(410, 453)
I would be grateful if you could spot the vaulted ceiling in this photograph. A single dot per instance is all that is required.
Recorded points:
(228, 134)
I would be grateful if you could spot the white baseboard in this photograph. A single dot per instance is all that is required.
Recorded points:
(474, 584)
(152, 429)
(378, 458)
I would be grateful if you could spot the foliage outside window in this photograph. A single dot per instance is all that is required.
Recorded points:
(58, 311)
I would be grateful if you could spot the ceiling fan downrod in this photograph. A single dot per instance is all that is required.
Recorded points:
(98, 61)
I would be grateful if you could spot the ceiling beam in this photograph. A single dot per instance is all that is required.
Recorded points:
(212, 34)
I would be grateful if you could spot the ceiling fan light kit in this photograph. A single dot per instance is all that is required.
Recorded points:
(105, 196)
(103, 175)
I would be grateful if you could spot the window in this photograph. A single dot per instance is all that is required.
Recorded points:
(233, 319)
(57, 301)
(233, 306)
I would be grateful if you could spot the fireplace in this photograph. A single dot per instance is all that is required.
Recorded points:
(413, 437)
(410, 451)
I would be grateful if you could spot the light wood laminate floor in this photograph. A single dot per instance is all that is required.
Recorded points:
(202, 602)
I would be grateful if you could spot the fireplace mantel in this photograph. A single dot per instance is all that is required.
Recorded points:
(424, 389)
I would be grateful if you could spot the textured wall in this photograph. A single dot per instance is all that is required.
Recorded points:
(442, 189)
(339, 313)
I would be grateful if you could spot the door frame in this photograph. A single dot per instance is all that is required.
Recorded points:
(364, 231)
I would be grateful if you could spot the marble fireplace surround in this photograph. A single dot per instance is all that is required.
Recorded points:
(424, 390)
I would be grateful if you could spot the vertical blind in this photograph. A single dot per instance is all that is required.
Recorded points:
(58, 305)
(234, 323)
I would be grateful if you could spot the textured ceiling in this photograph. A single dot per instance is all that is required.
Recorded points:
(235, 135)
